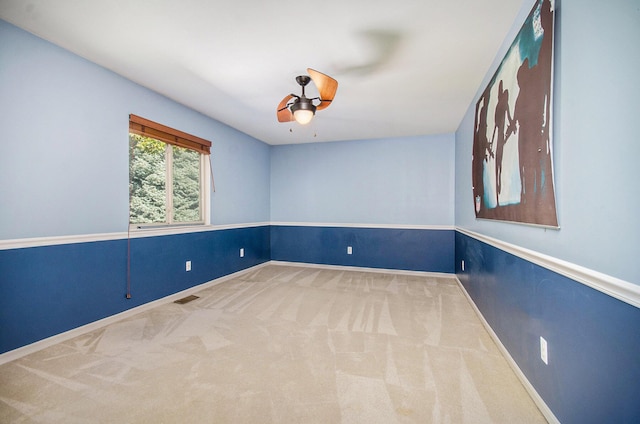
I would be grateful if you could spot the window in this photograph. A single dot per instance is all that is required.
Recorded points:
(168, 175)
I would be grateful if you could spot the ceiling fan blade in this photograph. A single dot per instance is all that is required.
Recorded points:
(323, 105)
(284, 113)
(326, 85)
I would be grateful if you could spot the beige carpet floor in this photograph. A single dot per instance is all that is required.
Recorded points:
(280, 344)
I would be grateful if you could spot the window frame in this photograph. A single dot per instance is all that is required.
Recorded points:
(174, 138)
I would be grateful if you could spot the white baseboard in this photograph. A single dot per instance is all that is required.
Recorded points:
(363, 269)
(12, 355)
(537, 399)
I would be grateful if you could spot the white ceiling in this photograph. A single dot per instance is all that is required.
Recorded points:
(404, 67)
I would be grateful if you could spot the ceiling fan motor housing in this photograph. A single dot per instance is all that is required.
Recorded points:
(303, 104)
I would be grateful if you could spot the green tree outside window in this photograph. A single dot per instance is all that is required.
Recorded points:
(164, 182)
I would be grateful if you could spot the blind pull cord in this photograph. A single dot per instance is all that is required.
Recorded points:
(213, 183)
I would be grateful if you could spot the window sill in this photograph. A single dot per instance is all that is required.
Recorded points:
(142, 230)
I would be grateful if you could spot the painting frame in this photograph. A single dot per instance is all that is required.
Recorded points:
(512, 162)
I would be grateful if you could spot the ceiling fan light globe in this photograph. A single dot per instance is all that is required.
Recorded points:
(303, 116)
(303, 111)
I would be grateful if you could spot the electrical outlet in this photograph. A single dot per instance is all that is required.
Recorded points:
(463, 264)
(543, 351)
(242, 252)
(188, 266)
(349, 250)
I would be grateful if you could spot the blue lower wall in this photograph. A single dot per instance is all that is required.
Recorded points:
(388, 248)
(593, 375)
(48, 290)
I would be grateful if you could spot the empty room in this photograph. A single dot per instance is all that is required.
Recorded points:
(337, 212)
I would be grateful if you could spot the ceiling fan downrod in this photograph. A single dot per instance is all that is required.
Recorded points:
(303, 80)
(303, 108)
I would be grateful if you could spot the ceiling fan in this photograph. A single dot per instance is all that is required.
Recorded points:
(302, 109)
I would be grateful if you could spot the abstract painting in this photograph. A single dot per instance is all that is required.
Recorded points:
(512, 167)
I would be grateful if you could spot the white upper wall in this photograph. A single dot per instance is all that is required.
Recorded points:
(64, 162)
(596, 148)
(406, 181)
